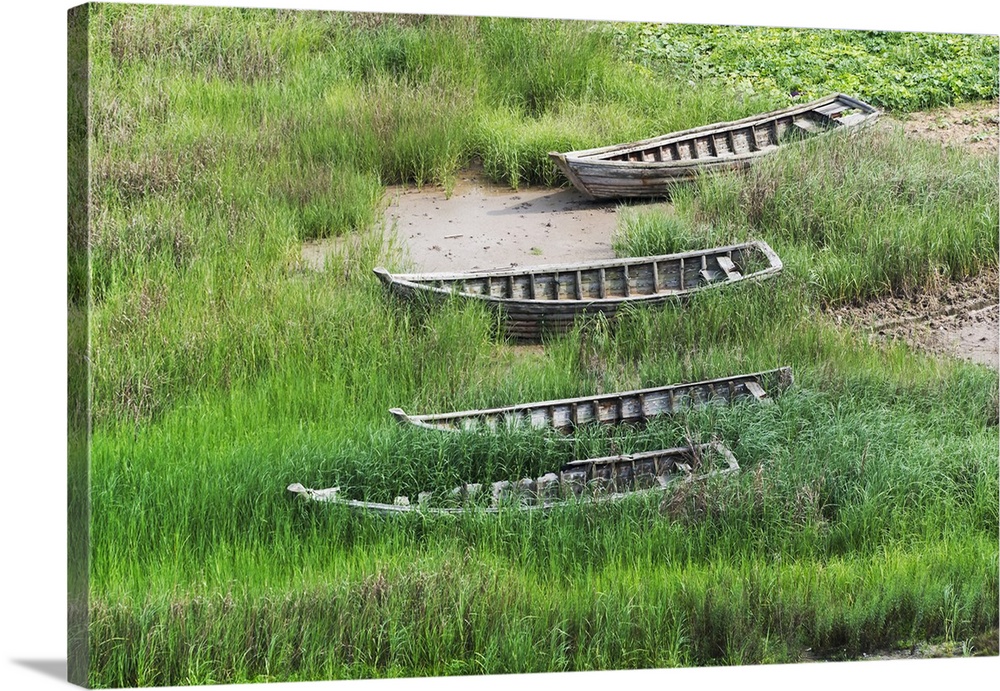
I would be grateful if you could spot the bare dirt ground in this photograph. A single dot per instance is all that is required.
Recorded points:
(483, 226)
(960, 319)
(973, 126)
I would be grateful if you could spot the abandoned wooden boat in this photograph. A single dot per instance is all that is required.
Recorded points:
(590, 480)
(649, 167)
(548, 298)
(612, 408)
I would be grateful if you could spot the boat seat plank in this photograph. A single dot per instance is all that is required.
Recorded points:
(757, 391)
(727, 265)
(849, 120)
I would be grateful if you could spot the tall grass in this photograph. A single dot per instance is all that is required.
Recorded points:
(855, 217)
(223, 370)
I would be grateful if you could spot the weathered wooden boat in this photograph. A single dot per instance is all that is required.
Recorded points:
(649, 167)
(590, 480)
(612, 408)
(548, 298)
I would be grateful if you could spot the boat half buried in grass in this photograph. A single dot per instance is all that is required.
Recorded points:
(548, 298)
(634, 407)
(649, 167)
(590, 480)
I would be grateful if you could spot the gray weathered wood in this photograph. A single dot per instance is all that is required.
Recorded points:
(611, 408)
(588, 480)
(625, 170)
(548, 298)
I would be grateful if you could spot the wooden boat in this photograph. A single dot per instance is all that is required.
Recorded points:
(548, 298)
(649, 167)
(612, 408)
(590, 480)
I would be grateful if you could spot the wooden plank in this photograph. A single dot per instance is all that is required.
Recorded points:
(727, 266)
(756, 390)
(807, 125)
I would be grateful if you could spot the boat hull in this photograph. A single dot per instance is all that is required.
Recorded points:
(548, 299)
(628, 407)
(591, 480)
(651, 167)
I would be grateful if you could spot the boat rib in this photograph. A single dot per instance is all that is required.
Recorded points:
(649, 167)
(549, 298)
(612, 408)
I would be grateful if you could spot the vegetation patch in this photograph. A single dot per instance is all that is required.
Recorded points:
(895, 70)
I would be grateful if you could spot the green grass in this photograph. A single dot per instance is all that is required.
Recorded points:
(880, 214)
(223, 370)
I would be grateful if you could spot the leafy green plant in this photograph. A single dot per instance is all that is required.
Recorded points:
(897, 70)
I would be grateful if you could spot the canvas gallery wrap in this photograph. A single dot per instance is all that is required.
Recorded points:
(413, 345)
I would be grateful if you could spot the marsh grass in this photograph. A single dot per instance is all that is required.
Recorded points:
(853, 217)
(223, 371)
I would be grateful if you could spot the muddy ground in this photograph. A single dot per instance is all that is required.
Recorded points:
(483, 226)
(480, 226)
(959, 319)
(983, 645)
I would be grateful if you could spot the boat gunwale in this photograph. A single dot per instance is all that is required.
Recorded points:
(588, 155)
(422, 419)
(775, 266)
